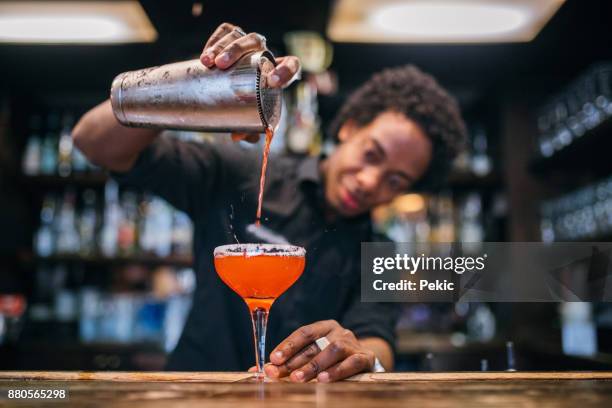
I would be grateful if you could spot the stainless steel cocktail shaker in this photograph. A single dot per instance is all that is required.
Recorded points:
(188, 95)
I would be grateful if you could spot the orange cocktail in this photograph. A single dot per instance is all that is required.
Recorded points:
(259, 273)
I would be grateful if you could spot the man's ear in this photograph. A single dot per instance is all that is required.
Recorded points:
(347, 129)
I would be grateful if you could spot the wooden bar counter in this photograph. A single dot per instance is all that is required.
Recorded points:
(191, 389)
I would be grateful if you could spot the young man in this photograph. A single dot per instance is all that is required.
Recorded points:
(397, 132)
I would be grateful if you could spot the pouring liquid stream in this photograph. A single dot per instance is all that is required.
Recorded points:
(255, 231)
(262, 177)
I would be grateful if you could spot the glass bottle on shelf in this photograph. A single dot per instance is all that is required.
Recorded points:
(471, 223)
(48, 155)
(443, 229)
(588, 88)
(303, 135)
(576, 120)
(89, 314)
(32, 155)
(603, 98)
(545, 131)
(145, 237)
(481, 162)
(127, 235)
(578, 330)
(547, 231)
(561, 134)
(80, 164)
(65, 150)
(110, 223)
(157, 228)
(44, 244)
(88, 221)
(66, 230)
(182, 232)
(48, 158)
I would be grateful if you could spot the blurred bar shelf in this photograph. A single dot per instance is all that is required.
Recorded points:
(185, 261)
(70, 355)
(459, 180)
(588, 154)
(91, 179)
(456, 179)
(435, 352)
(591, 238)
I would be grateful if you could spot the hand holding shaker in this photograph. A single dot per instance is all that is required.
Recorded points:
(189, 96)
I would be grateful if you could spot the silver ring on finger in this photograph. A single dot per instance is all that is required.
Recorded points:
(322, 343)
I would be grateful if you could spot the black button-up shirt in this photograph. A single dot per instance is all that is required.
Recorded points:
(217, 186)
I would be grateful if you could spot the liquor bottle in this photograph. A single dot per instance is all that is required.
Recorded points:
(48, 155)
(88, 221)
(80, 164)
(32, 155)
(144, 235)
(471, 224)
(44, 244)
(66, 230)
(578, 331)
(157, 228)
(182, 232)
(89, 314)
(65, 150)
(444, 225)
(48, 159)
(303, 135)
(127, 233)
(481, 162)
(110, 224)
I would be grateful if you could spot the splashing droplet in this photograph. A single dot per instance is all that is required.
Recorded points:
(231, 224)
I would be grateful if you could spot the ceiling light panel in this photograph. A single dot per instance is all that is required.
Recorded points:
(74, 22)
(440, 21)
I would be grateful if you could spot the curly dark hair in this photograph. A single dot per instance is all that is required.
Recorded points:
(417, 95)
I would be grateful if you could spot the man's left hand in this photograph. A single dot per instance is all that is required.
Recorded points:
(299, 357)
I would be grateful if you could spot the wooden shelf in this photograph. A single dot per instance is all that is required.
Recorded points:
(185, 261)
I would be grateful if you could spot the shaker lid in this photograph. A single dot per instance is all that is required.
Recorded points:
(268, 99)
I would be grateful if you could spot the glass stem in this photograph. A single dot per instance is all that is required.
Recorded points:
(259, 317)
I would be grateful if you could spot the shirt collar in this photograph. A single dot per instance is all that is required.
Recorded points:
(309, 177)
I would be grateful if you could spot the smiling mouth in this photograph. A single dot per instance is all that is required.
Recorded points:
(348, 200)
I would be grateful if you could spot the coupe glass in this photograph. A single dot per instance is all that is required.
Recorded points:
(259, 273)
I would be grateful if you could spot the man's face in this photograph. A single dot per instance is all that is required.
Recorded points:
(375, 163)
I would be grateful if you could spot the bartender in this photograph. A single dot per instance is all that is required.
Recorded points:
(398, 132)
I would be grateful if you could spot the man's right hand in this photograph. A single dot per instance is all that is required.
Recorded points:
(229, 43)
